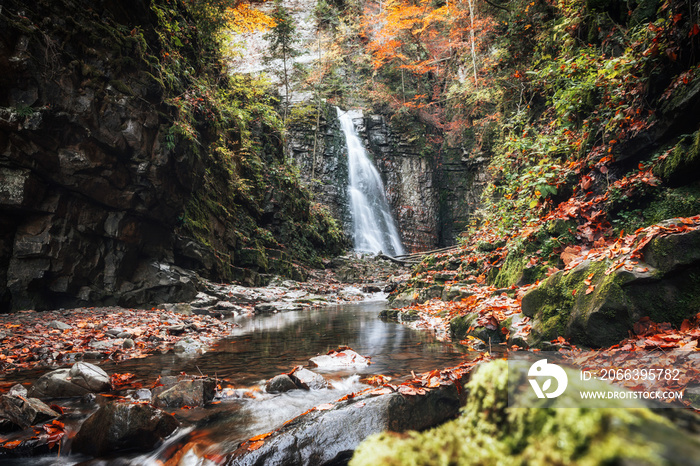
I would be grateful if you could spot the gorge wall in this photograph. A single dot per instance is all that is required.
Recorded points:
(115, 184)
(432, 195)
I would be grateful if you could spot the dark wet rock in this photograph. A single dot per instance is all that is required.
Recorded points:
(80, 379)
(662, 287)
(330, 436)
(308, 380)
(197, 392)
(123, 426)
(23, 412)
(128, 343)
(372, 288)
(280, 384)
(389, 314)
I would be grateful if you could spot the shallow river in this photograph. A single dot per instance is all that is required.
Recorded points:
(265, 346)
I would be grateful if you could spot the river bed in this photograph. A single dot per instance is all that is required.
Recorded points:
(267, 345)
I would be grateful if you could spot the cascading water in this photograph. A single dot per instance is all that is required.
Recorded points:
(373, 226)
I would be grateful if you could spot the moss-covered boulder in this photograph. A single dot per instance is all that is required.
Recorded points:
(595, 308)
(488, 432)
(466, 326)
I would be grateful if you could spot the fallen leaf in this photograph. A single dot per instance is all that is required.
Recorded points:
(255, 445)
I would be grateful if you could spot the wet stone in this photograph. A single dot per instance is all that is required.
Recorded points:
(57, 324)
(280, 384)
(123, 426)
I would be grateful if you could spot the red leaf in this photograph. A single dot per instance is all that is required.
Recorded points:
(686, 325)
(694, 31)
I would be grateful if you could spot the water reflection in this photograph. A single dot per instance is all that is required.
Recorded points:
(265, 346)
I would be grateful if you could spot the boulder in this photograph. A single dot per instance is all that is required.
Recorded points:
(280, 384)
(122, 426)
(663, 287)
(490, 431)
(197, 392)
(90, 377)
(329, 436)
(466, 326)
(304, 378)
(79, 380)
(24, 412)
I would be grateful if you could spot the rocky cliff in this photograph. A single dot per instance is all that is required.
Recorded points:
(104, 150)
(432, 195)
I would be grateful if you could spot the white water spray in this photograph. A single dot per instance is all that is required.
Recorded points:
(373, 226)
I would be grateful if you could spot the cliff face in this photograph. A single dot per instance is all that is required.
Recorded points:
(99, 174)
(88, 197)
(432, 197)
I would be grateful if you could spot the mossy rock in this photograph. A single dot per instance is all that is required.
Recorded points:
(666, 289)
(252, 258)
(389, 314)
(682, 164)
(488, 432)
(459, 326)
(465, 326)
(561, 307)
(455, 293)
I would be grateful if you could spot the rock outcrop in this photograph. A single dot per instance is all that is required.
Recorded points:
(103, 200)
(596, 306)
(431, 200)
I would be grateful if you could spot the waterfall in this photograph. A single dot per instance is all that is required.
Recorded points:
(373, 226)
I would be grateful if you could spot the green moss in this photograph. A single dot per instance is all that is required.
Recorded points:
(121, 87)
(682, 163)
(459, 326)
(488, 432)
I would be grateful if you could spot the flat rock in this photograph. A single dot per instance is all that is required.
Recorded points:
(57, 324)
(329, 436)
(341, 359)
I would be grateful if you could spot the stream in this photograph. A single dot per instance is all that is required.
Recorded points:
(267, 345)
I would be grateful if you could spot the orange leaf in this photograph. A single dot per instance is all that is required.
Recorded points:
(254, 446)
(260, 437)
(686, 325)
(590, 289)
